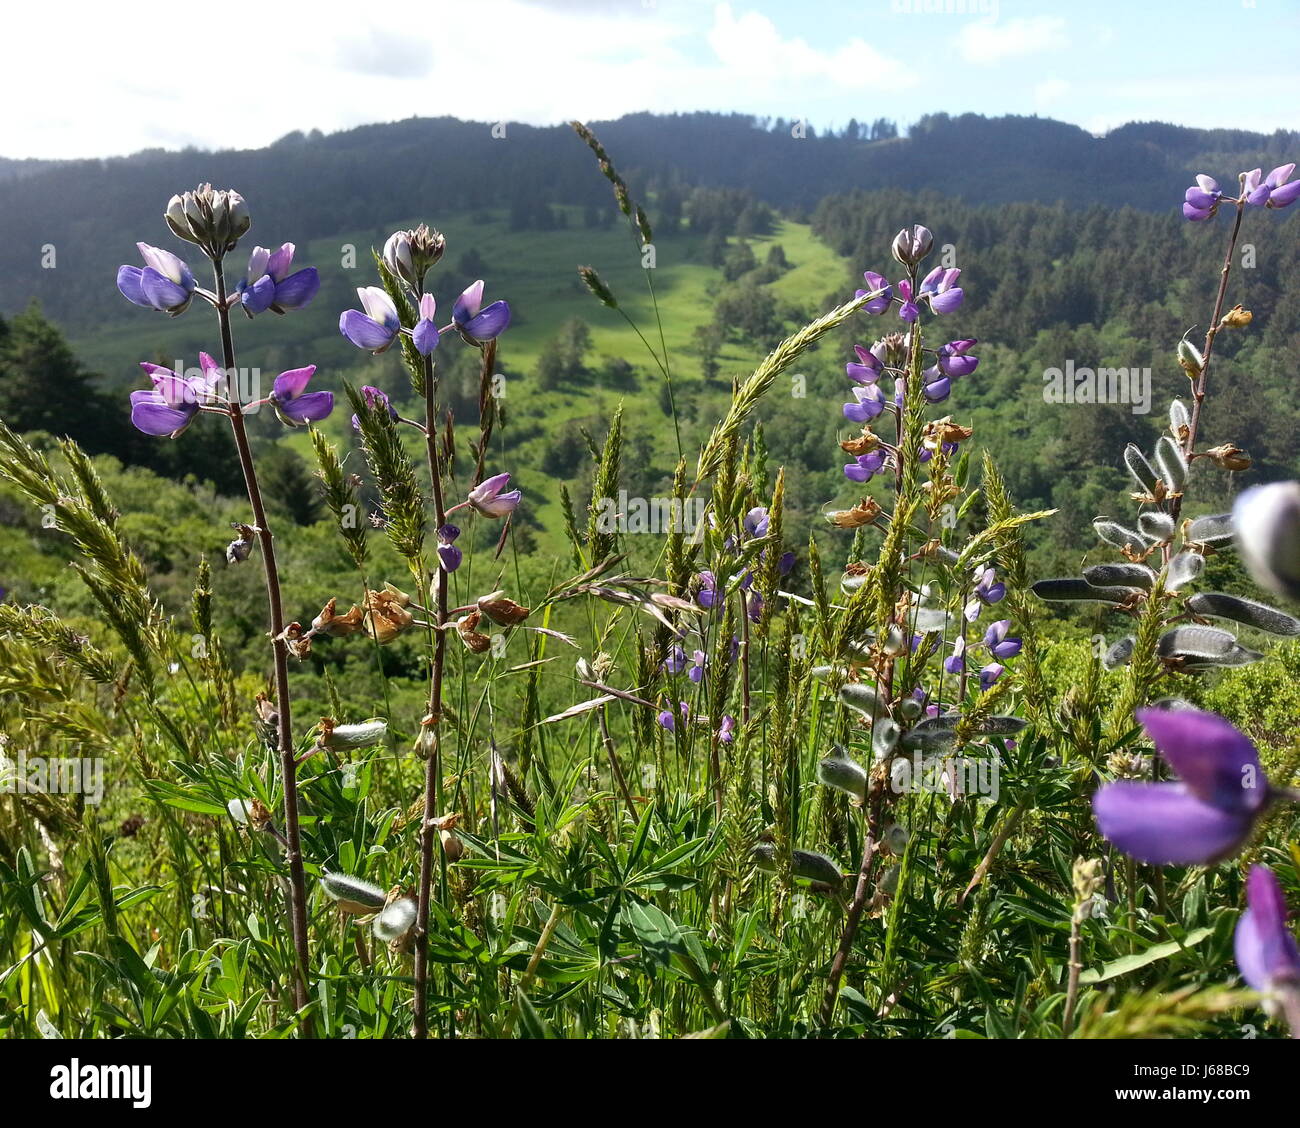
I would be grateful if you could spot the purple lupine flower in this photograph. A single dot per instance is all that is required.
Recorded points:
(375, 329)
(1273, 190)
(988, 590)
(479, 324)
(269, 285)
(754, 605)
(1201, 200)
(955, 663)
(164, 283)
(995, 638)
(870, 402)
(675, 663)
(940, 289)
(668, 719)
(874, 283)
(909, 311)
(696, 672)
(727, 729)
(1264, 946)
(707, 597)
(448, 554)
(955, 359)
(865, 466)
(166, 409)
(295, 406)
(786, 564)
(990, 674)
(374, 398)
(756, 521)
(425, 334)
(1204, 818)
(490, 500)
(868, 368)
(936, 387)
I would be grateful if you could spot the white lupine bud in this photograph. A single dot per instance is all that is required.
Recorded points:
(396, 920)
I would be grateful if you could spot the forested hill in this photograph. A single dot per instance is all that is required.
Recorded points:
(315, 185)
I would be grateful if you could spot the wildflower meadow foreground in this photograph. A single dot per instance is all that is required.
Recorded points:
(716, 776)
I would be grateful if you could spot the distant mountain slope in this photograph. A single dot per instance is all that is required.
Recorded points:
(314, 186)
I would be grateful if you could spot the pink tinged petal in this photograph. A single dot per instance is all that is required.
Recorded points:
(277, 266)
(153, 371)
(425, 337)
(298, 289)
(257, 264)
(172, 388)
(289, 385)
(467, 305)
(492, 322)
(1164, 825)
(365, 332)
(129, 282)
(1217, 763)
(164, 262)
(1280, 175)
(378, 306)
(1207, 183)
(308, 408)
(428, 307)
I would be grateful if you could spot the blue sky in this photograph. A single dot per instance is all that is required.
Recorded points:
(125, 80)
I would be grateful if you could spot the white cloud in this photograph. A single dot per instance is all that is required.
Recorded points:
(989, 43)
(750, 47)
(1051, 91)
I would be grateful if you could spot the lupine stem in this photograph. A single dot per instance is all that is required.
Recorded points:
(288, 768)
(432, 720)
(1202, 378)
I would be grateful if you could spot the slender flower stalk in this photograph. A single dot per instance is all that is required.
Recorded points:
(1201, 378)
(433, 717)
(279, 648)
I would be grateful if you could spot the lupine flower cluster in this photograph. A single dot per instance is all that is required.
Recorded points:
(166, 283)
(1276, 190)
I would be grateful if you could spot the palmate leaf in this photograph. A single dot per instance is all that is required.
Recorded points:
(1220, 605)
